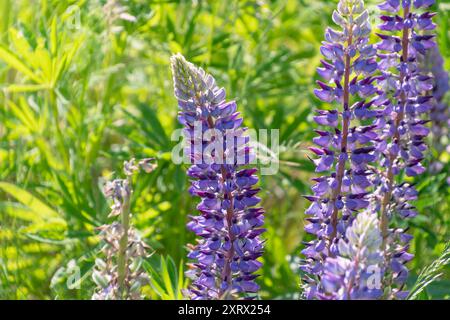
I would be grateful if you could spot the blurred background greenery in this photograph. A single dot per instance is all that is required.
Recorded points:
(86, 85)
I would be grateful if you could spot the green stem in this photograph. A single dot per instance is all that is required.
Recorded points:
(123, 243)
(396, 139)
(337, 192)
(59, 135)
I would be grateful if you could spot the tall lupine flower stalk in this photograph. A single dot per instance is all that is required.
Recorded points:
(119, 275)
(404, 99)
(433, 64)
(345, 150)
(229, 226)
(356, 272)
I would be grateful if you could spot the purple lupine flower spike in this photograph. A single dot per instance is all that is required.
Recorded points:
(403, 100)
(433, 64)
(344, 150)
(229, 224)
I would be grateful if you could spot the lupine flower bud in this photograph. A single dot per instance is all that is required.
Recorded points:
(229, 226)
(119, 274)
(356, 272)
(403, 100)
(344, 150)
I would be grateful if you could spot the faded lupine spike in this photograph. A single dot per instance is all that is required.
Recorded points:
(345, 149)
(147, 164)
(119, 274)
(357, 272)
(229, 226)
(403, 100)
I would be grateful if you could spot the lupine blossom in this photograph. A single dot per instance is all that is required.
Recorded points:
(404, 99)
(356, 273)
(433, 64)
(229, 224)
(344, 149)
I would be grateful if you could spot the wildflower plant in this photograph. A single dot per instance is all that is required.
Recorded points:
(119, 276)
(368, 162)
(229, 224)
(82, 79)
(344, 149)
(405, 100)
(433, 64)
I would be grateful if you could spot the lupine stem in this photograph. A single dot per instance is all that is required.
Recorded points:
(226, 272)
(351, 281)
(122, 254)
(390, 174)
(345, 125)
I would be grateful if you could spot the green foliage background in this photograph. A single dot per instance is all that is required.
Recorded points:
(82, 92)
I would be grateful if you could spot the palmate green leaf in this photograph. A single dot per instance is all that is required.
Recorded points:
(22, 47)
(45, 62)
(52, 62)
(52, 228)
(46, 230)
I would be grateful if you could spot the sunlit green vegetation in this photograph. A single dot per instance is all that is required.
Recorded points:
(84, 89)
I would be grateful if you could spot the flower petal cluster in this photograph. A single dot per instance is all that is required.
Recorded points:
(433, 64)
(345, 147)
(403, 101)
(229, 225)
(365, 161)
(357, 272)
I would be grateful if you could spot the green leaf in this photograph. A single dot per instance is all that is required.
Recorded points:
(15, 62)
(29, 200)
(430, 273)
(166, 278)
(26, 87)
